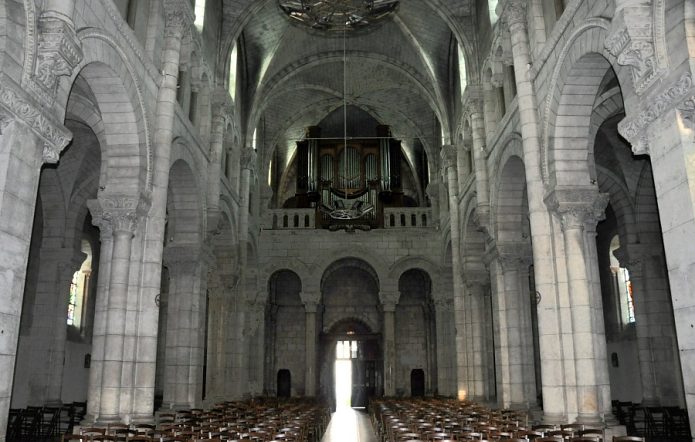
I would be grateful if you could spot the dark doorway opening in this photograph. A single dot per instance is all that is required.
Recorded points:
(284, 387)
(417, 383)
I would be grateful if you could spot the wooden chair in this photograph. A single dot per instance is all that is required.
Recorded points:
(139, 438)
(585, 439)
(73, 437)
(628, 439)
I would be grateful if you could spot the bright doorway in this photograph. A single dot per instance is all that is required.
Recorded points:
(344, 353)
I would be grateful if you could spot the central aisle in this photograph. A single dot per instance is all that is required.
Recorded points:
(348, 425)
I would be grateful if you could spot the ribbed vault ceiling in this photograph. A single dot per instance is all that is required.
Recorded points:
(399, 72)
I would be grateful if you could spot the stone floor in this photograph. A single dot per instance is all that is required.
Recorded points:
(349, 425)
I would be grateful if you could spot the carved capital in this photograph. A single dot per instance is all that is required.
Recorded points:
(448, 154)
(578, 207)
(248, 159)
(515, 12)
(118, 213)
(17, 106)
(310, 307)
(635, 129)
(687, 111)
(59, 51)
(178, 18)
(634, 40)
(514, 256)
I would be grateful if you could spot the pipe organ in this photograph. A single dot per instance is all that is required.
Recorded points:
(349, 181)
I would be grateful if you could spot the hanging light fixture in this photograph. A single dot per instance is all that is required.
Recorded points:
(338, 15)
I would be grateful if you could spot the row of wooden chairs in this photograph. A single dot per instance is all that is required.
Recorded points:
(441, 419)
(43, 423)
(255, 421)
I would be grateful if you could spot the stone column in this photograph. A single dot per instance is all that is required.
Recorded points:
(186, 313)
(553, 363)
(178, 16)
(310, 349)
(69, 262)
(463, 164)
(576, 209)
(476, 293)
(659, 370)
(217, 325)
(219, 122)
(442, 307)
(663, 127)
(119, 214)
(29, 137)
(480, 162)
(389, 309)
(448, 155)
(96, 368)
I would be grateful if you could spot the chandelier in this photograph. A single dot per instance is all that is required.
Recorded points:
(338, 15)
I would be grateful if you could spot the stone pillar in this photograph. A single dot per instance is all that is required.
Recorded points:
(219, 122)
(553, 363)
(514, 260)
(664, 128)
(448, 155)
(96, 368)
(480, 162)
(218, 315)
(68, 263)
(578, 208)
(178, 16)
(185, 321)
(477, 373)
(119, 214)
(28, 137)
(489, 111)
(659, 368)
(389, 309)
(442, 307)
(310, 349)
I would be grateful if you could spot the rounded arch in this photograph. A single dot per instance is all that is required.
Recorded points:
(184, 207)
(406, 263)
(511, 206)
(284, 287)
(378, 267)
(107, 66)
(573, 87)
(346, 262)
(349, 325)
(415, 281)
(282, 264)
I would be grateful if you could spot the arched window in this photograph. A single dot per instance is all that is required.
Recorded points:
(622, 285)
(552, 11)
(492, 6)
(79, 287)
(462, 69)
(199, 15)
(231, 84)
(254, 140)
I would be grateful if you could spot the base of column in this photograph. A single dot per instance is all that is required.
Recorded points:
(142, 419)
(174, 406)
(590, 420)
(110, 419)
(554, 419)
(54, 403)
(616, 430)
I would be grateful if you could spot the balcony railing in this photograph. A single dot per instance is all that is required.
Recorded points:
(304, 219)
(280, 219)
(407, 217)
